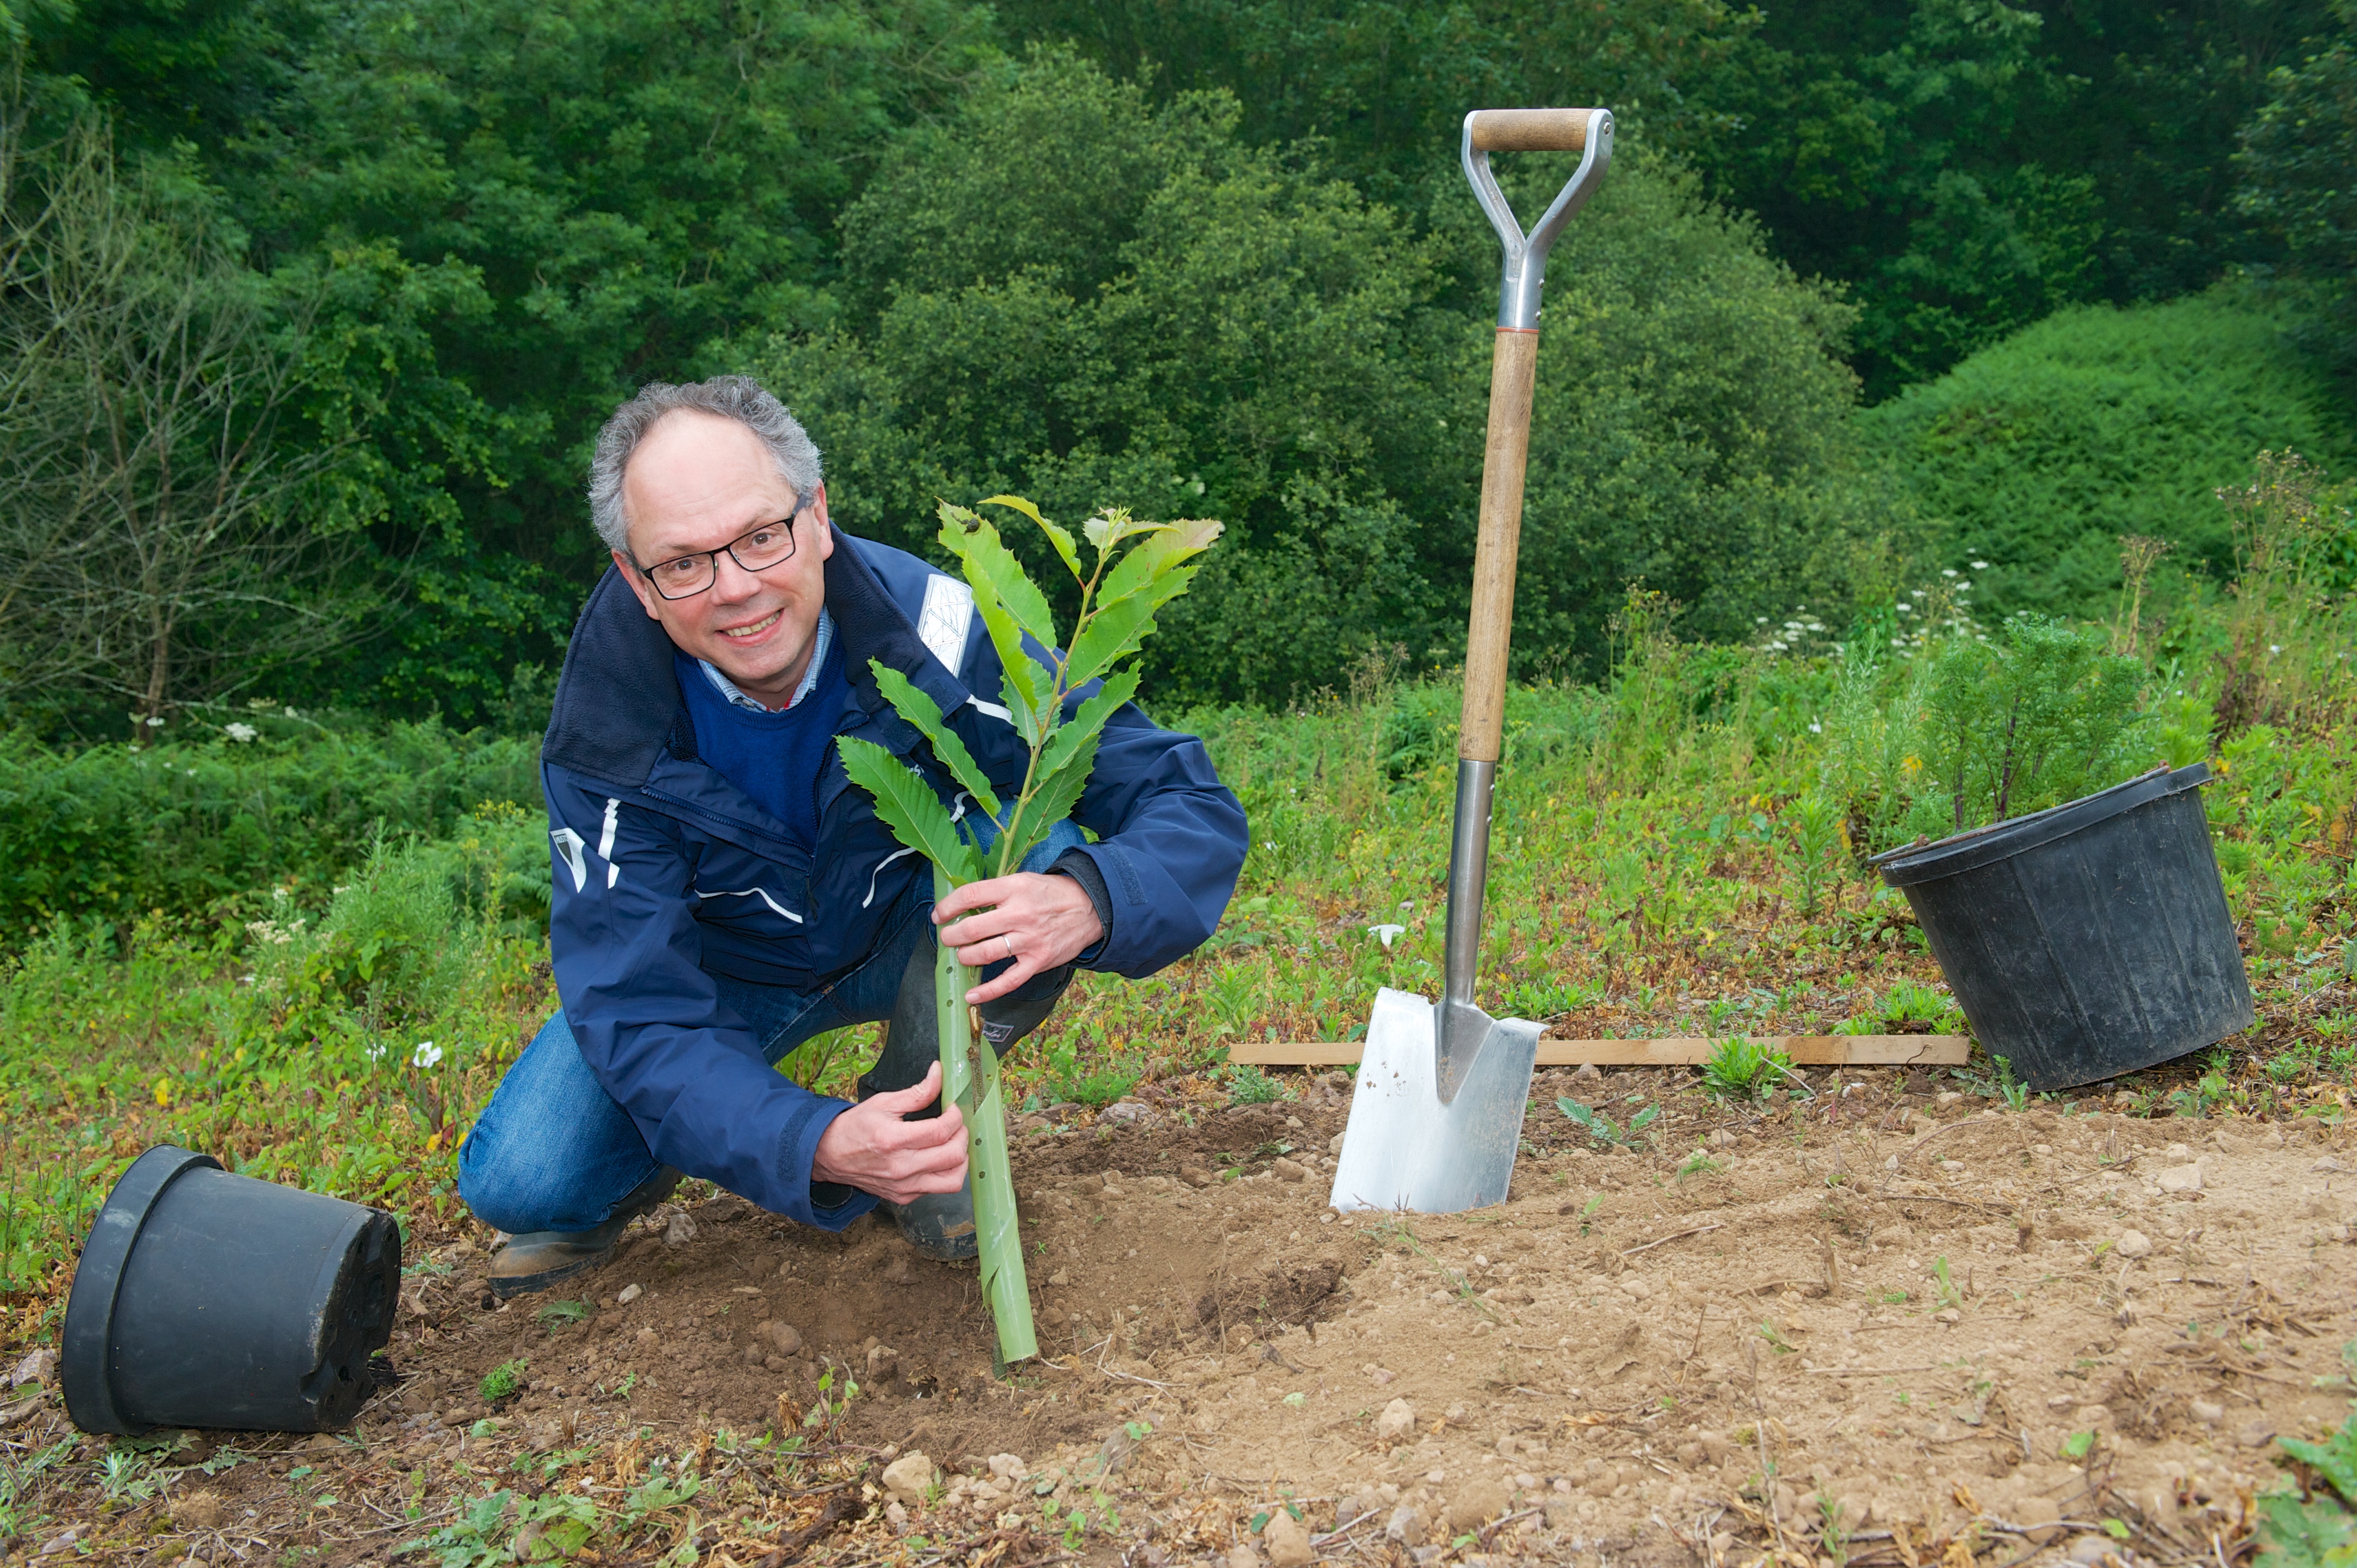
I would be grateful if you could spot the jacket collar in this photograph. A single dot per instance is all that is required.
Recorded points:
(617, 704)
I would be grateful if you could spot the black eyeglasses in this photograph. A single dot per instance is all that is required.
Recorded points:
(685, 576)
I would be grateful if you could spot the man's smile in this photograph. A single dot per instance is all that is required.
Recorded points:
(754, 629)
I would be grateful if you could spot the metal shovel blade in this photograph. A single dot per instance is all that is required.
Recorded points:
(1406, 1148)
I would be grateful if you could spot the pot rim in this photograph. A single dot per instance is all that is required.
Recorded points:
(85, 1345)
(1976, 847)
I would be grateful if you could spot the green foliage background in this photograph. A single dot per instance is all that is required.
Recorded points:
(1115, 252)
(2038, 453)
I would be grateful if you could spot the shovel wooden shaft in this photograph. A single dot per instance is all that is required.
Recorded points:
(1513, 371)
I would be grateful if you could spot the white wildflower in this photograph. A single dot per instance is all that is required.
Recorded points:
(427, 1054)
(240, 733)
(1386, 933)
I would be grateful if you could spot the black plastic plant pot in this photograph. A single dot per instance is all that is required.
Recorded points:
(2087, 940)
(206, 1299)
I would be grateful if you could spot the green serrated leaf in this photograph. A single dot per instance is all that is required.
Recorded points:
(1113, 525)
(1061, 538)
(1170, 544)
(1087, 722)
(992, 568)
(1114, 631)
(908, 805)
(1052, 799)
(1025, 686)
(913, 704)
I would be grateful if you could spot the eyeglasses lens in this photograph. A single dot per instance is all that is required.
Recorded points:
(764, 547)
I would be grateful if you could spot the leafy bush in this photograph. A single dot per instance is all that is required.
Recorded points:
(2294, 163)
(204, 828)
(2040, 716)
(2038, 453)
(1163, 310)
(400, 937)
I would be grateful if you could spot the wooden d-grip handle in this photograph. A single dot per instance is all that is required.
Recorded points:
(1530, 130)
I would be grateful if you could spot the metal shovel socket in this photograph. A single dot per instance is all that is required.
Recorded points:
(1436, 1116)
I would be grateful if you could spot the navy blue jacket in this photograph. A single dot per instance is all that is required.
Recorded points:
(667, 874)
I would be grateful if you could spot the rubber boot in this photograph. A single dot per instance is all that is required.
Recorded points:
(535, 1260)
(941, 1224)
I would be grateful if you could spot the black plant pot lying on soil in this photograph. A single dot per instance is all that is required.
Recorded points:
(2086, 940)
(206, 1299)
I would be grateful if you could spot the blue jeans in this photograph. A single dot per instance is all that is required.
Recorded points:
(553, 1151)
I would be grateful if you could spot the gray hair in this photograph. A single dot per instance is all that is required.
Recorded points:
(740, 398)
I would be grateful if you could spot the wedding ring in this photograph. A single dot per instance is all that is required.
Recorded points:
(1009, 941)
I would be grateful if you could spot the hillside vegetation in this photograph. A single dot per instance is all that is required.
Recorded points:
(2039, 453)
(376, 272)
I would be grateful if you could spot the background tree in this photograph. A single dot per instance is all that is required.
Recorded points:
(164, 539)
(1068, 292)
(2298, 168)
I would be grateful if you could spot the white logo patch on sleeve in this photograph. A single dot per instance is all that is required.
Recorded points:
(942, 624)
(568, 845)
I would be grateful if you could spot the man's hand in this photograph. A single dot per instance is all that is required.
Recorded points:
(871, 1148)
(1041, 922)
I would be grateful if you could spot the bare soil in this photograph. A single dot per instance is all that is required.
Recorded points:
(1942, 1327)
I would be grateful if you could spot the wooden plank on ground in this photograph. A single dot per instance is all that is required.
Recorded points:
(1805, 1051)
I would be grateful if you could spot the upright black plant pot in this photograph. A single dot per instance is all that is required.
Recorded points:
(206, 1299)
(2087, 940)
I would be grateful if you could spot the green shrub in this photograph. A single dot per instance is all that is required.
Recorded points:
(2039, 454)
(205, 828)
(1163, 310)
(2037, 716)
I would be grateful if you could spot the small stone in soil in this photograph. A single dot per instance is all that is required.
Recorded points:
(907, 1477)
(629, 1294)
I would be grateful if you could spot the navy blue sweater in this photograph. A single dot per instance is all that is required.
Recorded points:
(777, 757)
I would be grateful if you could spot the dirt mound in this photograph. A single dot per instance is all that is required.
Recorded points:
(1911, 1316)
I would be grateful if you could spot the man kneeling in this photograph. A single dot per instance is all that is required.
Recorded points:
(724, 894)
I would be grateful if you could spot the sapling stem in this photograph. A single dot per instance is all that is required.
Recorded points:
(969, 1082)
